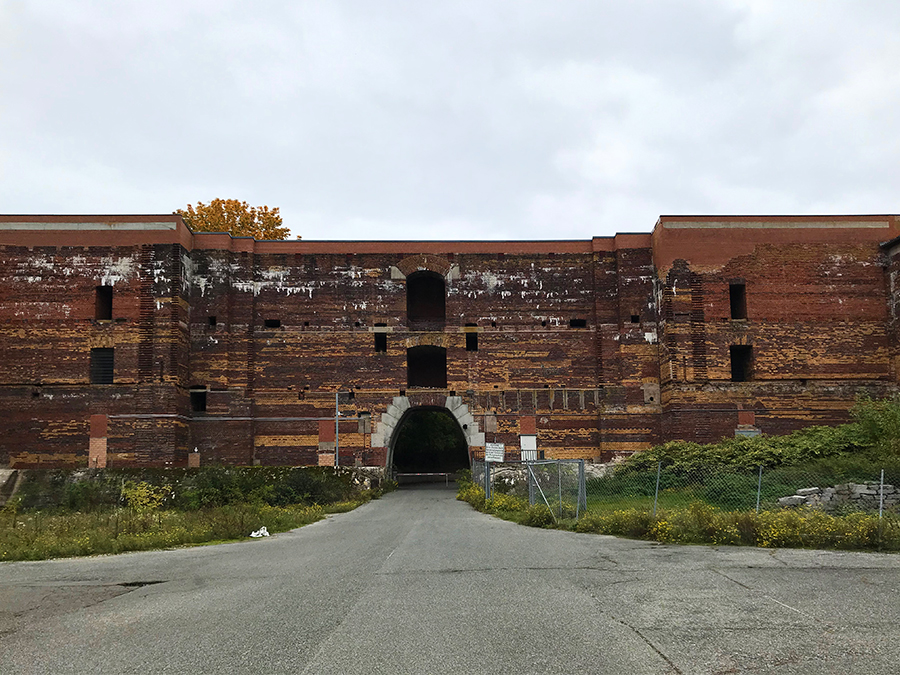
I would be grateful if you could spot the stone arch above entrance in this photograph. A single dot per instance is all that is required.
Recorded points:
(425, 263)
(390, 420)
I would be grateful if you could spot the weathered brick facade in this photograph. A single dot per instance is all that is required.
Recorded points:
(237, 348)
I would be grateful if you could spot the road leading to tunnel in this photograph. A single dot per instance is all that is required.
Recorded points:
(419, 583)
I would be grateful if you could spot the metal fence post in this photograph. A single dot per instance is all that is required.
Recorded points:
(531, 481)
(582, 492)
(337, 429)
(759, 488)
(881, 497)
(656, 494)
(487, 480)
(559, 484)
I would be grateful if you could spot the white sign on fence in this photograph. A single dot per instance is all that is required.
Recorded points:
(494, 452)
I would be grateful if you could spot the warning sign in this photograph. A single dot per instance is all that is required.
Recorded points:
(494, 452)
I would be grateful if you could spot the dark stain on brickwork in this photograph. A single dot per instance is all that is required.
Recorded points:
(600, 347)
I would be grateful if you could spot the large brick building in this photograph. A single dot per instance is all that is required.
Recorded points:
(131, 340)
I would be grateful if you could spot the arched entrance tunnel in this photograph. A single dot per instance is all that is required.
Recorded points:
(429, 440)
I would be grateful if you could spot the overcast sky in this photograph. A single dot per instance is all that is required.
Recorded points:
(458, 119)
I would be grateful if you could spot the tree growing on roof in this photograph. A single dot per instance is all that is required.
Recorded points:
(235, 217)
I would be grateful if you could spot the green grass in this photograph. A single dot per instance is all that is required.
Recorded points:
(38, 535)
(78, 513)
(667, 500)
(684, 517)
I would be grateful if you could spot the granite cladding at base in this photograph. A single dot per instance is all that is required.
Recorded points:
(601, 347)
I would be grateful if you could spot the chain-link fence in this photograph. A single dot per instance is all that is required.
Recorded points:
(645, 501)
(832, 490)
(557, 483)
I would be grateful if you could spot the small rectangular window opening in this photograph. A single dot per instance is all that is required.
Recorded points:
(472, 338)
(211, 320)
(198, 400)
(741, 363)
(272, 323)
(102, 365)
(103, 303)
(635, 318)
(577, 323)
(738, 296)
(471, 342)
(380, 342)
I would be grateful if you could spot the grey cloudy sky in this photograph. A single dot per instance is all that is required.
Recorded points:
(459, 119)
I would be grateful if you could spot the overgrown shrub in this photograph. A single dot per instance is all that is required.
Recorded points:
(142, 497)
(504, 502)
(537, 515)
(878, 422)
(473, 494)
(188, 489)
(626, 523)
(795, 528)
(38, 535)
(873, 437)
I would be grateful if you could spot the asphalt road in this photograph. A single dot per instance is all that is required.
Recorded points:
(419, 583)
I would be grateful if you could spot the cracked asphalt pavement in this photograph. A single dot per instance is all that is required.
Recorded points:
(419, 583)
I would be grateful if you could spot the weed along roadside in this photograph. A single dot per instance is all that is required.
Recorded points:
(701, 523)
(75, 513)
(821, 487)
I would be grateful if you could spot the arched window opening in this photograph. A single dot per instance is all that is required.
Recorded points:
(426, 300)
(426, 366)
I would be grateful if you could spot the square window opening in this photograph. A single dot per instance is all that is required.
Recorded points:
(471, 342)
(211, 321)
(635, 318)
(198, 400)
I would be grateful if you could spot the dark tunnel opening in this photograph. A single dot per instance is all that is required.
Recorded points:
(430, 440)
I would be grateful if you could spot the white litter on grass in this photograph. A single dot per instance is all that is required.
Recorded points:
(261, 532)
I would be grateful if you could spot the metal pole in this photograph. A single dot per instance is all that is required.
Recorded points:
(337, 416)
(531, 496)
(881, 496)
(758, 488)
(543, 496)
(656, 494)
(581, 490)
(559, 484)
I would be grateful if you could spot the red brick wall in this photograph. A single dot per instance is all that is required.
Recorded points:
(651, 362)
(817, 322)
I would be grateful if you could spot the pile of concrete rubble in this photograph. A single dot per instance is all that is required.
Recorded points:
(864, 496)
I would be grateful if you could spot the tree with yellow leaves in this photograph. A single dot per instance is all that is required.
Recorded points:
(235, 217)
